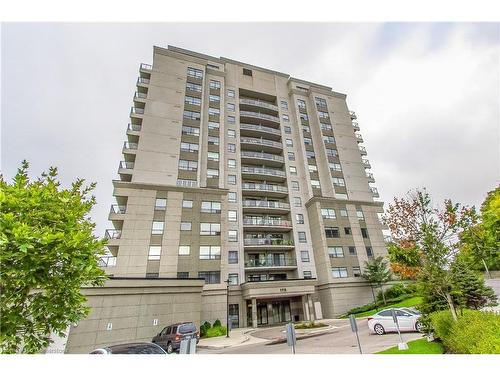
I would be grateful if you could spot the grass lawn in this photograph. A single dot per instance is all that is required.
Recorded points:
(410, 302)
(420, 346)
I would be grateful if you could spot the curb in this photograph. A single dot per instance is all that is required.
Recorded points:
(225, 346)
(307, 336)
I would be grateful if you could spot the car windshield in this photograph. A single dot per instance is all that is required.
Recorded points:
(411, 311)
(137, 349)
(187, 328)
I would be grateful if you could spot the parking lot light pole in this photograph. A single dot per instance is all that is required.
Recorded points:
(227, 308)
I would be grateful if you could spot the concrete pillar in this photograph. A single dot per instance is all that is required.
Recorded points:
(270, 315)
(305, 307)
(254, 312)
(311, 308)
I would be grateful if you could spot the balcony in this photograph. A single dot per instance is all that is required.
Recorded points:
(366, 163)
(113, 234)
(265, 206)
(262, 158)
(370, 177)
(265, 189)
(187, 183)
(107, 261)
(259, 118)
(263, 173)
(133, 129)
(142, 81)
(129, 147)
(117, 209)
(355, 125)
(126, 167)
(283, 263)
(140, 97)
(259, 131)
(260, 144)
(146, 67)
(267, 224)
(135, 111)
(265, 243)
(362, 150)
(375, 192)
(359, 138)
(353, 115)
(257, 103)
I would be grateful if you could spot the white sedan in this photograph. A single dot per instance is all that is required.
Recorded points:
(408, 320)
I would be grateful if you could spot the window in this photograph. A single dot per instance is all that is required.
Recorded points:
(210, 229)
(307, 275)
(310, 154)
(335, 252)
(308, 141)
(233, 279)
(347, 230)
(284, 105)
(157, 227)
(214, 84)
(306, 128)
(312, 168)
(343, 212)
(247, 72)
(293, 170)
(299, 218)
(231, 197)
(315, 184)
(360, 215)
(302, 237)
(232, 257)
(291, 156)
(328, 213)
(184, 249)
(197, 73)
(352, 250)
(213, 111)
(211, 207)
(323, 114)
(193, 87)
(230, 107)
(304, 117)
(211, 277)
(231, 179)
(231, 147)
(154, 253)
(335, 167)
(189, 130)
(286, 118)
(295, 186)
(332, 232)
(338, 181)
(288, 130)
(189, 147)
(356, 271)
(214, 98)
(232, 215)
(188, 165)
(231, 163)
(230, 94)
(289, 142)
(369, 251)
(183, 275)
(328, 139)
(304, 256)
(297, 201)
(185, 225)
(301, 103)
(152, 275)
(212, 173)
(161, 204)
(332, 153)
(320, 101)
(187, 204)
(213, 156)
(364, 232)
(326, 127)
(209, 252)
(231, 120)
(231, 133)
(232, 236)
(192, 100)
(339, 272)
(191, 115)
(212, 125)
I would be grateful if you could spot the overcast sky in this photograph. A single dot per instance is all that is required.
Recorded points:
(426, 95)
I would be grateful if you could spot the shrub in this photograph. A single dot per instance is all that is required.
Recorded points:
(216, 331)
(378, 304)
(309, 324)
(441, 322)
(398, 290)
(217, 323)
(204, 328)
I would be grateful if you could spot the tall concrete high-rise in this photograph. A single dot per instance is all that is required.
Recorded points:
(238, 174)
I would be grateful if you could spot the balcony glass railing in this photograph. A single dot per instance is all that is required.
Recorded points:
(126, 165)
(267, 222)
(370, 176)
(366, 162)
(259, 103)
(352, 114)
(265, 187)
(130, 145)
(258, 141)
(259, 115)
(359, 137)
(266, 204)
(267, 242)
(134, 127)
(263, 171)
(140, 95)
(118, 209)
(107, 261)
(113, 234)
(374, 191)
(286, 262)
(146, 66)
(262, 155)
(260, 128)
(362, 149)
(137, 111)
(187, 183)
(143, 80)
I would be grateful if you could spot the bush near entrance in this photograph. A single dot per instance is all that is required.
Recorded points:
(207, 331)
(310, 324)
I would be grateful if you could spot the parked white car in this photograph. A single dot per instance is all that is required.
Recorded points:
(408, 320)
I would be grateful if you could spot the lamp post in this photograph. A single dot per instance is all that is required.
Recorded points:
(227, 307)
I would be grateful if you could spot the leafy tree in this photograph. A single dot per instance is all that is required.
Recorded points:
(377, 273)
(47, 252)
(405, 260)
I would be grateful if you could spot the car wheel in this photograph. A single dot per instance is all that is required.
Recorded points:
(419, 326)
(379, 330)
(170, 348)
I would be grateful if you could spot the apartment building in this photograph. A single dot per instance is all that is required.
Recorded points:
(247, 178)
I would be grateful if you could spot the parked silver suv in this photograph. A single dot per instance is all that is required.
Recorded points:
(171, 336)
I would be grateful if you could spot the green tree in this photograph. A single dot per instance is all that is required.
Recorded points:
(377, 273)
(47, 252)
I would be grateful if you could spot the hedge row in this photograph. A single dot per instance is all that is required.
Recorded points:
(475, 332)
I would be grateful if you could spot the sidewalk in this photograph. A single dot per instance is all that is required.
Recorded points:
(237, 337)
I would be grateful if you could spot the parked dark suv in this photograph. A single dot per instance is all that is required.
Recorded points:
(170, 337)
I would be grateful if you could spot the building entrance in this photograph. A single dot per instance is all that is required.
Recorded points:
(270, 312)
